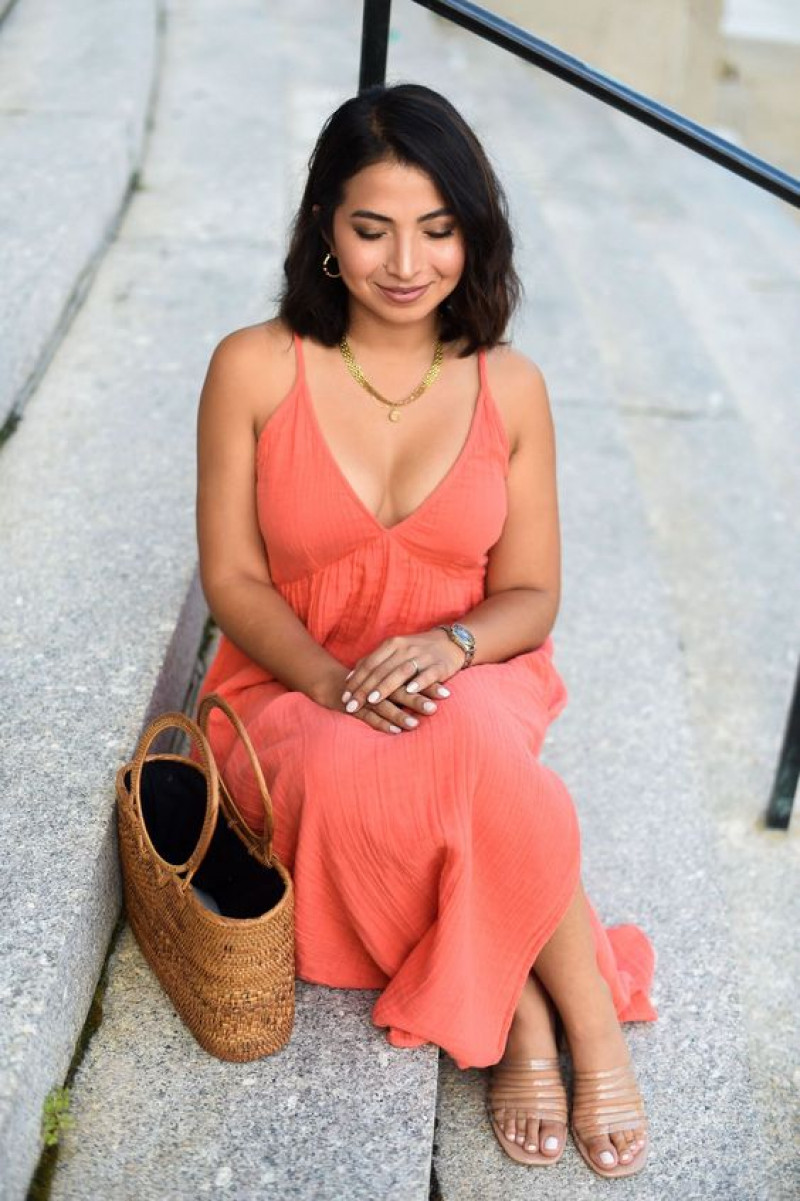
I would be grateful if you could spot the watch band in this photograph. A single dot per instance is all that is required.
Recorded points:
(463, 639)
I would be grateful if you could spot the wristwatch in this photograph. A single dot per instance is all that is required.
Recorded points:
(462, 638)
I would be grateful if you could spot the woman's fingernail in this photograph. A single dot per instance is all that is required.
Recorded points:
(411, 722)
(429, 707)
(352, 705)
(412, 687)
(395, 729)
(346, 697)
(374, 696)
(442, 691)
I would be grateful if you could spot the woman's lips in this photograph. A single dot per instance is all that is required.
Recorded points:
(403, 295)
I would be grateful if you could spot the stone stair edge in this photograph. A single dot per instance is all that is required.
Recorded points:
(39, 1050)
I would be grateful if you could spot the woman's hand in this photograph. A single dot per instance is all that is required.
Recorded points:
(401, 680)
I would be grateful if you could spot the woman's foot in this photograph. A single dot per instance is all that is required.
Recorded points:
(519, 1126)
(597, 1045)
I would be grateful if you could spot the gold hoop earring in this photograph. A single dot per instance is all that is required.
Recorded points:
(325, 262)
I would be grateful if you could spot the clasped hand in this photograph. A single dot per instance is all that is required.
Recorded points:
(386, 690)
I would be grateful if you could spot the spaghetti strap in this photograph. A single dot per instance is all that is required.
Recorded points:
(482, 372)
(491, 411)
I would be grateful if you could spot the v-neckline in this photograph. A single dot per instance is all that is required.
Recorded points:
(389, 529)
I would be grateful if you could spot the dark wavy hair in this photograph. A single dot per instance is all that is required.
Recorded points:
(415, 126)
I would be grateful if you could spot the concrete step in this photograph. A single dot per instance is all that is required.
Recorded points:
(74, 100)
(97, 495)
(727, 249)
(158, 1117)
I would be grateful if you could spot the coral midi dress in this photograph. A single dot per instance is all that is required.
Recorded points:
(434, 864)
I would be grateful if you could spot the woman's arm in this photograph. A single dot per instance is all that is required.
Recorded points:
(250, 372)
(523, 580)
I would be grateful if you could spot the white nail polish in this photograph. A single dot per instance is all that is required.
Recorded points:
(395, 729)
(411, 722)
(550, 1143)
(412, 687)
(429, 707)
(374, 696)
(606, 1158)
(530, 1146)
(346, 697)
(352, 705)
(442, 691)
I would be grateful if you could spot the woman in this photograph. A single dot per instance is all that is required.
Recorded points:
(379, 543)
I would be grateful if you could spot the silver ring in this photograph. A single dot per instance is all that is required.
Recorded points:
(416, 667)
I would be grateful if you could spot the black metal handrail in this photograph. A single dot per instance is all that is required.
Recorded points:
(490, 27)
(699, 139)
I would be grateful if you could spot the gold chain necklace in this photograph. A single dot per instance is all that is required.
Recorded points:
(394, 405)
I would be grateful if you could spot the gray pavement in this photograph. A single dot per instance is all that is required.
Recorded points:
(74, 102)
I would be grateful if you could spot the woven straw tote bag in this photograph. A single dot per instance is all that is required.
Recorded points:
(211, 906)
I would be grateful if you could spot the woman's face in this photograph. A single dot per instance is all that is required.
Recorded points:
(399, 249)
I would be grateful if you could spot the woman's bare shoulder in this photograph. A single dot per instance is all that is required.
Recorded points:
(253, 368)
(519, 390)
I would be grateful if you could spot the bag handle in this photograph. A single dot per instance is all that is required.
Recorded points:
(180, 721)
(264, 844)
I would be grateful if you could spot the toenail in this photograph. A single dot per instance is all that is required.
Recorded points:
(550, 1143)
(625, 1156)
(530, 1146)
(606, 1158)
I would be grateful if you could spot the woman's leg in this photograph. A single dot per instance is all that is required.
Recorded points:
(532, 1036)
(567, 969)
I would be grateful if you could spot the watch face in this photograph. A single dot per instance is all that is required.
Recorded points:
(463, 635)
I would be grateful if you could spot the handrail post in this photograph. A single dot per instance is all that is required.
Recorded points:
(779, 811)
(374, 42)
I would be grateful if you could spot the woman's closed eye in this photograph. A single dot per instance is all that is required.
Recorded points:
(371, 235)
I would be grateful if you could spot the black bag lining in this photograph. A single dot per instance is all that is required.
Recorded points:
(173, 809)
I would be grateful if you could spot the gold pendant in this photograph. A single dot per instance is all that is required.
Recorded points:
(394, 414)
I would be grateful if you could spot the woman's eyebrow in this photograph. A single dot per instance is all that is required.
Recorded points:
(440, 212)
